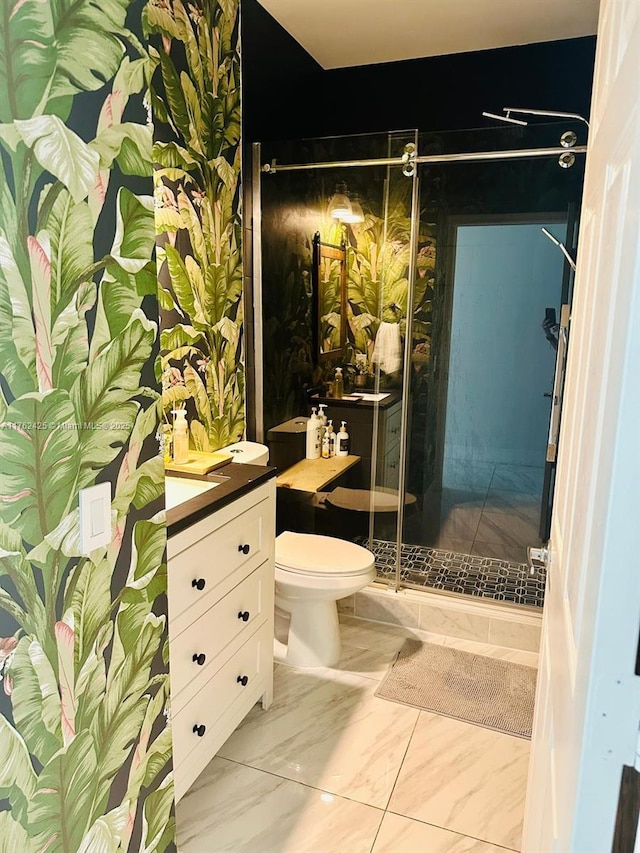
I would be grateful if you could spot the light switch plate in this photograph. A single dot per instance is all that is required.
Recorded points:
(95, 517)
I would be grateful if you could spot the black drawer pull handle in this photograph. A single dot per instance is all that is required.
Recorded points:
(244, 548)
(243, 679)
(199, 659)
(198, 583)
(244, 615)
(199, 730)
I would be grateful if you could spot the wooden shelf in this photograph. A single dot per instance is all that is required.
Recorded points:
(312, 475)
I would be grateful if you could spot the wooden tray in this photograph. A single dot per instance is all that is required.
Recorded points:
(200, 462)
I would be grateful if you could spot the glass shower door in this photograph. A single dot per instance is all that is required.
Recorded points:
(481, 371)
(396, 280)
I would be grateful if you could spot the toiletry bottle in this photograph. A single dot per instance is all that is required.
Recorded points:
(342, 441)
(326, 448)
(313, 436)
(339, 383)
(322, 416)
(180, 437)
(332, 438)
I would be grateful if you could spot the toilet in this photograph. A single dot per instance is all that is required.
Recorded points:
(312, 573)
(248, 452)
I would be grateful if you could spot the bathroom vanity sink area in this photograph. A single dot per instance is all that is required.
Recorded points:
(220, 595)
(190, 497)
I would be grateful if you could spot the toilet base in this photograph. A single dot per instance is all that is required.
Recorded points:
(314, 633)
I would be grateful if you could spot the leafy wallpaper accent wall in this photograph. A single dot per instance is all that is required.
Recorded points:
(196, 104)
(85, 746)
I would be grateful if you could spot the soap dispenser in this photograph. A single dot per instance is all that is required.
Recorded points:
(342, 441)
(313, 436)
(338, 383)
(326, 446)
(322, 417)
(180, 437)
(331, 437)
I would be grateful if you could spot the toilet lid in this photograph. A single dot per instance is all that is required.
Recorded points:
(308, 553)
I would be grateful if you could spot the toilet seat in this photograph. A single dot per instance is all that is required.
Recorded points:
(320, 556)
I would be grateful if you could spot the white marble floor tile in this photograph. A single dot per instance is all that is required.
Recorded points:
(402, 835)
(380, 637)
(236, 809)
(326, 729)
(365, 662)
(464, 778)
(368, 663)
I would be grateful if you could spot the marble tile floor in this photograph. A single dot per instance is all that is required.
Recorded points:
(493, 515)
(331, 768)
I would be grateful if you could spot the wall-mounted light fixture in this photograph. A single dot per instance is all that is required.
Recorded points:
(357, 213)
(339, 204)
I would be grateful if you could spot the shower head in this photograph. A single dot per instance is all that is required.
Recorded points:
(553, 113)
(505, 118)
(562, 248)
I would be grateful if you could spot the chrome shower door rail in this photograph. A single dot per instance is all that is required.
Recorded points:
(515, 154)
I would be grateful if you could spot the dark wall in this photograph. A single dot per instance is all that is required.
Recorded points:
(450, 92)
(287, 95)
(281, 82)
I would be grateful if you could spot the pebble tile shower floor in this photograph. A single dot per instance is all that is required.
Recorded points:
(482, 577)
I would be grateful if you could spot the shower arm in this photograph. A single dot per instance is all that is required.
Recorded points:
(552, 113)
(562, 248)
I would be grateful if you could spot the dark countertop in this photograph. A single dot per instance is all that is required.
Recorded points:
(394, 396)
(235, 478)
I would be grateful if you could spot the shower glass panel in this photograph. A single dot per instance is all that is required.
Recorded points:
(488, 298)
(453, 301)
(294, 208)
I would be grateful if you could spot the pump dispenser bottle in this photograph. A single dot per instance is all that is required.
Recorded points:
(342, 441)
(326, 448)
(322, 418)
(331, 438)
(180, 437)
(339, 383)
(313, 436)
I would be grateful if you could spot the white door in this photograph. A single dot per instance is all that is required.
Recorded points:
(588, 703)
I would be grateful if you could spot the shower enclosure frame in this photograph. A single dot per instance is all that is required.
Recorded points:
(252, 294)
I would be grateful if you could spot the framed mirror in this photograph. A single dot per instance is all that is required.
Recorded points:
(329, 277)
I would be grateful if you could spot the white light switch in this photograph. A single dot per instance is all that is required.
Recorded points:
(95, 517)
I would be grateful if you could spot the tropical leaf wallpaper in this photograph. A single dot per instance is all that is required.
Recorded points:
(85, 744)
(196, 102)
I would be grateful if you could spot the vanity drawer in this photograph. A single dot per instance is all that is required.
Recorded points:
(208, 709)
(230, 620)
(215, 563)
(389, 472)
(392, 426)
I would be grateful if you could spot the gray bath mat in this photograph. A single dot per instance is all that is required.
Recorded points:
(492, 693)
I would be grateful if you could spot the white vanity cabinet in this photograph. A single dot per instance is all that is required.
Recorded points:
(221, 587)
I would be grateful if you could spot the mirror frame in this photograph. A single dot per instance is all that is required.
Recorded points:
(328, 251)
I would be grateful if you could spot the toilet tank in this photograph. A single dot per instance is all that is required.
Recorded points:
(287, 442)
